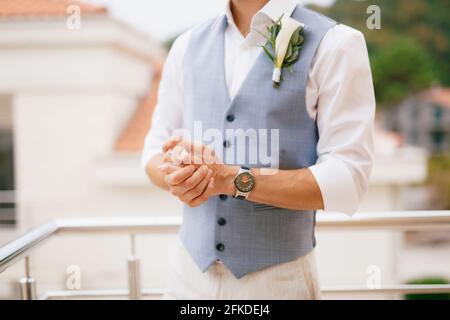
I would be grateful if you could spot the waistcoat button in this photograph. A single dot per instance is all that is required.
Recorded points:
(221, 221)
(220, 246)
(230, 117)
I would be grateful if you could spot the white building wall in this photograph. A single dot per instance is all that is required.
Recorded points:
(58, 139)
(72, 93)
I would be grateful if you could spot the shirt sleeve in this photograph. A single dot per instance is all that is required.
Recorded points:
(168, 113)
(341, 80)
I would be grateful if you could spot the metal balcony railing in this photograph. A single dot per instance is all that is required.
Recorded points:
(20, 248)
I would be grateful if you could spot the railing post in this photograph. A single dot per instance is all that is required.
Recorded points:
(27, 284)
(134, 273)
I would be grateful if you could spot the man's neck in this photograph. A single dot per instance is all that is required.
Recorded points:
(243, 12)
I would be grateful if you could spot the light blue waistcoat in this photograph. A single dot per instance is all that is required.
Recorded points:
(247, 236)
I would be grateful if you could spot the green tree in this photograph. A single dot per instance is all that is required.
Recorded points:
(412, 32)
(399, 69)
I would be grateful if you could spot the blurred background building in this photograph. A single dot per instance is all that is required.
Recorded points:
(424, 120)
(76, 104)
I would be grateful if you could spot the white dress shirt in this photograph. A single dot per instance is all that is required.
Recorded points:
(339, 96)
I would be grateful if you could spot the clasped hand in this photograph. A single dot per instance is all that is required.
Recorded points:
(192, 171)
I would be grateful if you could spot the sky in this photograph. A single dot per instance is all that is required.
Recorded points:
(164, 19)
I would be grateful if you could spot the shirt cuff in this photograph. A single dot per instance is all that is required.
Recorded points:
(337, 185)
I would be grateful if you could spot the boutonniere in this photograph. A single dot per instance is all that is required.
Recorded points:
(283, 46)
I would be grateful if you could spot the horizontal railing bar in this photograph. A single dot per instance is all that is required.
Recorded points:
(135, 225)
(412, 220)
(396, 220)
(15, 250)
(98, 293)
(419, 220)
(393, 289)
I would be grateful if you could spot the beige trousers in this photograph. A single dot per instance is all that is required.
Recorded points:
(296, 280)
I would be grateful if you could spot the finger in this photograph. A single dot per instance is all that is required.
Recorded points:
(180, 175)
(177, 191)
(191, 183)
(197, 155)
(179, 153)
(187, 152)
(168, 168)
(167, 156)
(171, 143)
(198, 189)
(199, 175)
(209, 191)
(177, 141)
(193, 148)
(197, 201)
(190, 158)
(203, 197)
(176, 155)
(209, 156)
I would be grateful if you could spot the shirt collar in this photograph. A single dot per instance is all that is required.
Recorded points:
(276, 8)
(271, 11)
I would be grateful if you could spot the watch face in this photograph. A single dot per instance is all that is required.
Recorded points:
(244, 182)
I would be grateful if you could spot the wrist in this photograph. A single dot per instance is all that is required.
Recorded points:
(225, 180)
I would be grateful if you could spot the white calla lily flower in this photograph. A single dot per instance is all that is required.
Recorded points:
(288, 27)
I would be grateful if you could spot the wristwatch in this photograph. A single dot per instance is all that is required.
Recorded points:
(244, 183)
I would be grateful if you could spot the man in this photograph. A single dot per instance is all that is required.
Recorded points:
(248, 232)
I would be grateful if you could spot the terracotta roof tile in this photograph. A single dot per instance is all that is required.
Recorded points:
(43, 8)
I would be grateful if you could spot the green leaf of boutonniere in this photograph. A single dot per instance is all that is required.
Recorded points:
(293, 52)
(269, 54)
